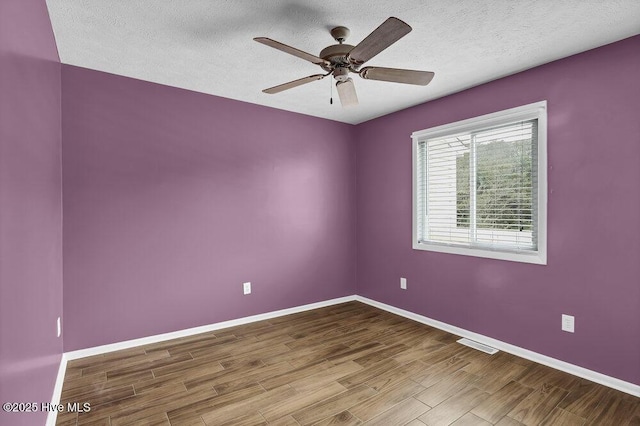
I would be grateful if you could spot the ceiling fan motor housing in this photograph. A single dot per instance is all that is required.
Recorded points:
(336, 54)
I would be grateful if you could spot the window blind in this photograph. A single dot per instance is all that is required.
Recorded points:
(479, 188)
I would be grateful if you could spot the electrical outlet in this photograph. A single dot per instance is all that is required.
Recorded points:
(568, 323)
(59, 326)
(246, 288)
(403, 283)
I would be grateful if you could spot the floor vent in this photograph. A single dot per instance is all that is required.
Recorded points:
(478, 346)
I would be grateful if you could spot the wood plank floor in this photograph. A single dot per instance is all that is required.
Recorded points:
(346, 364)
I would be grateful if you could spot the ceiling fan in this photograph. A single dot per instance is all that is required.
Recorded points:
(341, 59)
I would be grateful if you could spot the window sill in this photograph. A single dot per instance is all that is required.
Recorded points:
(537, 258)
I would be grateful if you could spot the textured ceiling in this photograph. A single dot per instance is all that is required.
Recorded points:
(207, 46)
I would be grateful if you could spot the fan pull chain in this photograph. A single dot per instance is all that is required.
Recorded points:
(331, 89)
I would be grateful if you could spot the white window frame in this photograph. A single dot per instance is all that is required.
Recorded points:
(537, 110)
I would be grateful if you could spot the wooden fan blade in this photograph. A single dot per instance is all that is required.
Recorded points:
(347, 93)
(421, 78)
(382, 37)
(292, 51)
(294, 83)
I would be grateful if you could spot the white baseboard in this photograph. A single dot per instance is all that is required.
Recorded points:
(57, 391)
(594, 376)
(98, 350)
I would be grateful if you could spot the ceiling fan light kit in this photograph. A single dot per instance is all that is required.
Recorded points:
(341, 59)
(347, 93)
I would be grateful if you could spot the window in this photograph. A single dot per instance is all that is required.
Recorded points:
(480, 186)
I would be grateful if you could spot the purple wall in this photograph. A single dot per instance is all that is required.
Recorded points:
(173, 198)
(593, 228)
(30, 208)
